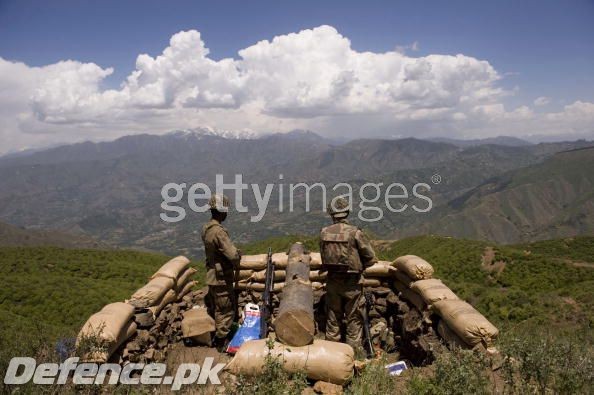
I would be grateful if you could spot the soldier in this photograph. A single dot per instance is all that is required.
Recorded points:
(222, 260)
(345, 253)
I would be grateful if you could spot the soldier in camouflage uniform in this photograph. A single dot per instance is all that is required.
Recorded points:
(222, 260)
(346, 252)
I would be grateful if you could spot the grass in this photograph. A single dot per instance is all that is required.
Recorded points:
(52, 291)
(541, 301)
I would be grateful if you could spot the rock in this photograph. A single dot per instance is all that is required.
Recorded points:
(149, 354)
(133, 346)
(323, 387)
(162, 343)
(143, 338)
(380, 302)
(175, 310)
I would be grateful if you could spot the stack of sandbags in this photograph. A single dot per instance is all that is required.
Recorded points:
(105, 331)
(170, 283)
(281, 260)
(378, 275)
(252, 275)
(409, 269)
(323, 360)
(463, 320)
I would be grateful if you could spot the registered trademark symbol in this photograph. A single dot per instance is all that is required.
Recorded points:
(436, 179)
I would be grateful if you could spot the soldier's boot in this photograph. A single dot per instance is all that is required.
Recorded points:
(221, 343)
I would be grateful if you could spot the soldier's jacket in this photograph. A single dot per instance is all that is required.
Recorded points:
(221, 255)
(344, 248)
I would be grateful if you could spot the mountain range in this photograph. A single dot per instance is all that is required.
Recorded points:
(111, 191)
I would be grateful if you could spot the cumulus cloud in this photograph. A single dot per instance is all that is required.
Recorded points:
(311, 79)
(542, 101)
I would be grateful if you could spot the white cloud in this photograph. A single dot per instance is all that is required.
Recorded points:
(542, 101)
(310, 79)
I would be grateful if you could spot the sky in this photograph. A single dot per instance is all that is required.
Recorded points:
(88, 70)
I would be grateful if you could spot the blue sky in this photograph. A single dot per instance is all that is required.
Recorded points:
(539, 48)
(550, 44)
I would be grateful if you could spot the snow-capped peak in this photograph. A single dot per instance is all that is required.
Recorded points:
(206, 131)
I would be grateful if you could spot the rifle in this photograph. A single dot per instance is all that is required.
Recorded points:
(368, 303)
(266, 310)
(236, 313)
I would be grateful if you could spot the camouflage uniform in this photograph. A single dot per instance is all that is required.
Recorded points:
(221, 259)
(345, 253)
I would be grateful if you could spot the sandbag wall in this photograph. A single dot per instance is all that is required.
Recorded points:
(410, 309)
(252, 278)
(149, 317)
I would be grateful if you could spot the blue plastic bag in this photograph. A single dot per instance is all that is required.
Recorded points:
(249, 330)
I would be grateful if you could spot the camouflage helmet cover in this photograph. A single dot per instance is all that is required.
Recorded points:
(339, 207)
(219, 203)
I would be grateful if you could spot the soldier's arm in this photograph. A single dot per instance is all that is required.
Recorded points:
(227, 248)
(366, 252)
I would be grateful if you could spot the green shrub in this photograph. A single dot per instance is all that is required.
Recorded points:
(539, 362)
(457, 372)
(373, 380)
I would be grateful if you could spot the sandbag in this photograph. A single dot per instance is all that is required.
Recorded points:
(317, 275)
(403, 278)
(316, 286)
(245, 274)
(169, 297)
(322, 360)
(371, 282)
(198, 325)
(316, 260)
(152, 293)
(253, 262)
(184, 278)
(173, 268)
(260, 276)
(280, 260)
(433, 290)
(448, 335)
(380, 269)
(470, 325)
(253, 286)
(414, 267)
(102, 355)
(108, 328)
(185, 290)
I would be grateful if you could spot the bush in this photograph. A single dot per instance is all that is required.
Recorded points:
(541, 363)
(373, 380)
(456, 372)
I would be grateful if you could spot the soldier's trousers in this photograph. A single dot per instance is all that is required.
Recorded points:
(220, 305)
(344, 301)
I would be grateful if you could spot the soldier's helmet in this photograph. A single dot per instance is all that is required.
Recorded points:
(219, 203)
(339, 207)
